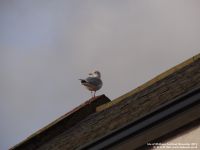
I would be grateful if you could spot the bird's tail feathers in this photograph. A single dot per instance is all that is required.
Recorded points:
(82, 81)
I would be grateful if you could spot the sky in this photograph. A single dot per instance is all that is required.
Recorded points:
(46, 46)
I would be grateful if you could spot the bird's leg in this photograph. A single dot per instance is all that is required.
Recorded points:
(94, 93)
(91, 94)
(90, 100)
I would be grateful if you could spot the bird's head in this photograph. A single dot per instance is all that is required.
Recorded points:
(95, 74)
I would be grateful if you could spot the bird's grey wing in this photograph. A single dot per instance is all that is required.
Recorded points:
(94, 81)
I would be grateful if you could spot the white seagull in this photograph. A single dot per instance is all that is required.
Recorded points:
(93, 83)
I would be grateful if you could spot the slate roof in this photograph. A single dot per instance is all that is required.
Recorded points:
(62, 124)
(125, 109)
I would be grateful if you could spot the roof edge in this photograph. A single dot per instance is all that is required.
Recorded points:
(63, 123)
(150, 82)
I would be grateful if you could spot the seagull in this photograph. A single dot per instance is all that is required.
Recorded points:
(93, 83)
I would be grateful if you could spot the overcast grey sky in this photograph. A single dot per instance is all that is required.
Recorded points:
(45, 46)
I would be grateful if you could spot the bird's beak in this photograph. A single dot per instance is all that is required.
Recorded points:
(90, 74)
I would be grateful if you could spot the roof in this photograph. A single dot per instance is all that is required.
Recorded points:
(63, 123)
(111, 116)
(163, 120)
(176, 69)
